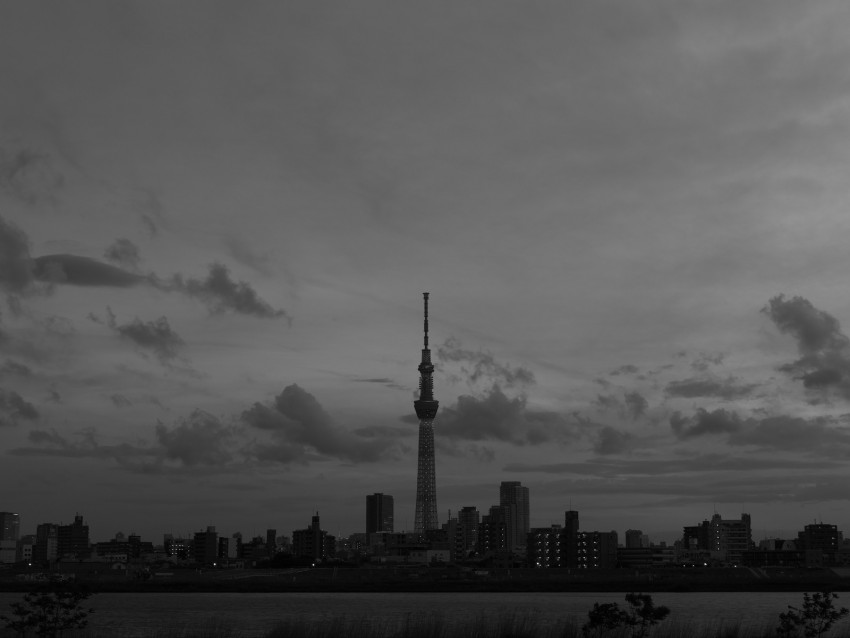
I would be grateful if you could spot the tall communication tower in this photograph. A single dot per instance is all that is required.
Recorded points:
(426, 410)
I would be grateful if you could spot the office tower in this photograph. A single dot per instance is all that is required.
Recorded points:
(426, 410)
(514, 498)
(271, 542)
(10, 526)
(379, 513)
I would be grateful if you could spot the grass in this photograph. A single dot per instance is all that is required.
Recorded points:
(504, 625)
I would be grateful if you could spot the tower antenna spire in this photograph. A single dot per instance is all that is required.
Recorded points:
(425, 295)
(426, 409)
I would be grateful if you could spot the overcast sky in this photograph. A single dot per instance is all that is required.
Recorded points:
(217, 220)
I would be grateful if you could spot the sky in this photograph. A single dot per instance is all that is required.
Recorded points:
(217, 220)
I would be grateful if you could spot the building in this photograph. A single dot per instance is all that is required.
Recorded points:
(514, 498)
(635, 539)
(468, 522)
(46, 545)
(228, 549)
(426, 410)
(379, 513)
(569, 541)
(493, 532)
(695, 538)
(205, 547)
(10, 526)
(178, 548)
(730, 538)
(73, 540)
(820, 536)
(271, 542)
(543, 546)
(314, 542)
(586, 550)
(597, 550)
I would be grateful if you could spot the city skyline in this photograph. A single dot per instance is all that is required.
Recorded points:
(217, 219)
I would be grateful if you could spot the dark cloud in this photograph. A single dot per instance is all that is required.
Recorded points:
(120, 401)
(29, 176)
(626, 369)
(123, 252)
(633, 405)
(51, 443)
(389, 383)
(727, 389)
(618, 467)
(201, 439)
(636, 404)
(612, 441)
(821, 378)
(221, 293)
(821, 436)
(153, 336)
(705, 422)
(247, 257)
(482, 365)
(824, 349)
(82, 271)
(13, 368)
(705, 360)
(13, 407)
(387, 431)
(481, 453)
(16, 266)
(815, 330)
(497, 417)
(300, 426)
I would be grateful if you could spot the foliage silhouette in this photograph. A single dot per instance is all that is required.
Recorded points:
(815, 618)
(53, 607)
(640, 618)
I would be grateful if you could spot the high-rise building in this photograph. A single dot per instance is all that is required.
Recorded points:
(379, 513)
(514, 498)
(426, 410)
(10, 526)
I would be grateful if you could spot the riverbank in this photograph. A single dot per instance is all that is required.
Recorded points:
(453, 579)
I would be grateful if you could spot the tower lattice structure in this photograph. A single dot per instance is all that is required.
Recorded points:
(426, 410)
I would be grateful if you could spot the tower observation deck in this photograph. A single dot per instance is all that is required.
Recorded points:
(426, 410)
